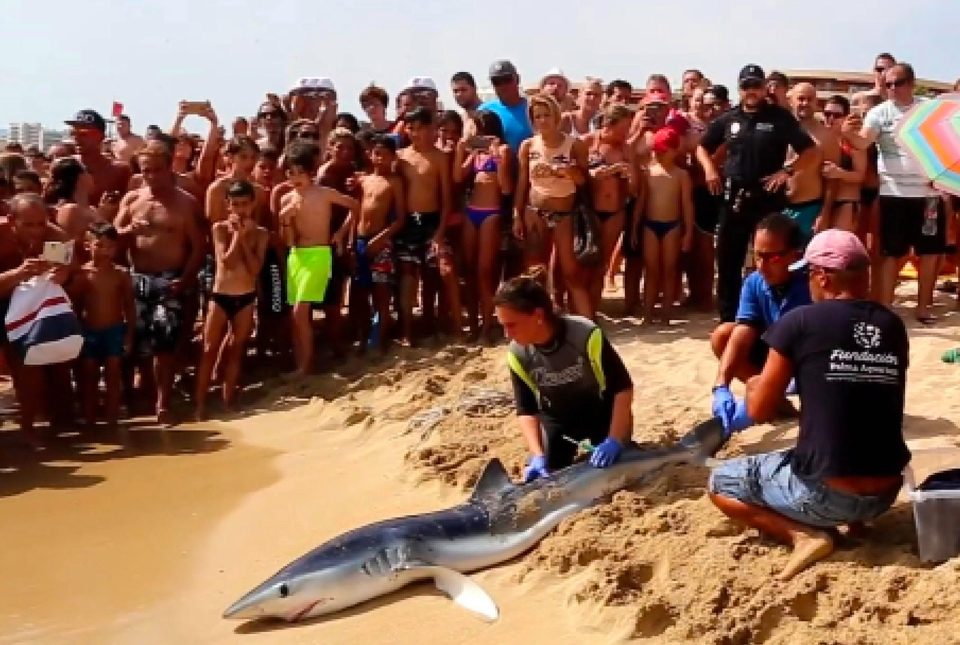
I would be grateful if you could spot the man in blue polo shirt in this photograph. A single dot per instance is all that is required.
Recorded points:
(767, 294)
(510, 104)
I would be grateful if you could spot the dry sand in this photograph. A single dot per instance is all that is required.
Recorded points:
(148, 542)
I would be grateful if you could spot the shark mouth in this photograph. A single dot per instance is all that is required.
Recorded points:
(306, 610)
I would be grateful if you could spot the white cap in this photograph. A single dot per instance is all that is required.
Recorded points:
(554, 72)
(315, 83)
(422, 83)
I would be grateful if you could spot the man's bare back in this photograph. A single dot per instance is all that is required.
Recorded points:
(305, 216)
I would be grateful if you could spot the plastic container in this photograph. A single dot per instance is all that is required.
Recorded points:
(936, 512)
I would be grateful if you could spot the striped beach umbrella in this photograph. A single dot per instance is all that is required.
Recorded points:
(930, 133)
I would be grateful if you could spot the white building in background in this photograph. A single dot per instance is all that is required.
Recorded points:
(26, 134)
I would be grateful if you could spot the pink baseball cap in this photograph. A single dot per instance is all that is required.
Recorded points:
(834, 250)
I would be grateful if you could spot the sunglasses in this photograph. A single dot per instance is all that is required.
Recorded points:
(314, 136)
(501, 80)
(833, 114)
(900, 82)
(751, 84)
(269, 115)
(880, 70)
(770, 256)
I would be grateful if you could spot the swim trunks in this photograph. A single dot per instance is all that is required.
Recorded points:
(376, 270)
(159, 314)
(101, 344)
(805, 215)
(412, 243)
(308, 273)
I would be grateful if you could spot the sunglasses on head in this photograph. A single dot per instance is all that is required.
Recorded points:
(900, 82)
(751, 84)
(770, 256)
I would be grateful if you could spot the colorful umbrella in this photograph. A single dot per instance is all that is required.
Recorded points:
(930, 133)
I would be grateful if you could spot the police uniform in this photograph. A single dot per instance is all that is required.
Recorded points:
(756, 144)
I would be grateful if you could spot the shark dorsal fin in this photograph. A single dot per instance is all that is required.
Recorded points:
(493, 480)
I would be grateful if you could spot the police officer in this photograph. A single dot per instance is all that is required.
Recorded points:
(756, 134)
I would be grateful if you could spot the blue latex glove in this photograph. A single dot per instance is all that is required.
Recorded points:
(724, 404)
(740, 420)
(606, 454)
(536, 468)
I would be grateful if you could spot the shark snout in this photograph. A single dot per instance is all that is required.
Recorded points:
(246, 608)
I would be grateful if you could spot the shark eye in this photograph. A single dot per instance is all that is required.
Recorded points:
(284, 590)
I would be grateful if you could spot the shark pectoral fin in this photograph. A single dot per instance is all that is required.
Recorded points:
(465, 592)
(461, 589)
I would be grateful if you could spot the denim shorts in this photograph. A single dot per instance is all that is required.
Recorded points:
(767, 480)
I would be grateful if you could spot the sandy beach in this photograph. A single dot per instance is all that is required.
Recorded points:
(147, 537)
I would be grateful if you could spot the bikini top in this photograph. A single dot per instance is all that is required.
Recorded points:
(543, 160)
(485, 163)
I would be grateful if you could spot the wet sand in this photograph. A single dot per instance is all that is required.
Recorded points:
(98, 534)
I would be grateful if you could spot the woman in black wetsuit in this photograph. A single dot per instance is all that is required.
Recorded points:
(569, 383)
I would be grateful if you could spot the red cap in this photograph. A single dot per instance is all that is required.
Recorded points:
(665, 139)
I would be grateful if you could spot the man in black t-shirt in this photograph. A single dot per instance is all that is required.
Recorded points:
(849, 357)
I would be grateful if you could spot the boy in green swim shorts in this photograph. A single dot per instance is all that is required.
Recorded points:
(305, 227)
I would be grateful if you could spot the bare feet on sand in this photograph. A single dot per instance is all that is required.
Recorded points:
(808, 547)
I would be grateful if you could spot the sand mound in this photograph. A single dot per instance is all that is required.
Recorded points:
(660, 562)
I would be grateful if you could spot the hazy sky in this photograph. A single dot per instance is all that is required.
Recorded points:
(60, 56)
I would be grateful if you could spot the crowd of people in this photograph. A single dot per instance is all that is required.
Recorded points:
(401, 230)
(508, 217)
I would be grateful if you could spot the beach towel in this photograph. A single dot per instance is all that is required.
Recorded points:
(41, 324)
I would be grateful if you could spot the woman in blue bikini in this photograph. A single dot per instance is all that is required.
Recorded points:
(484, 164)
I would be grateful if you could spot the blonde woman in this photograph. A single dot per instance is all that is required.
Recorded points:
(553, 166)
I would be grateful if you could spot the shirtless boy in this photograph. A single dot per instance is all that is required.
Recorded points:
(239, 246)
(241, 154)
(382, 214)
(108, 314)
(420, 244)
(305, 227)
(340, 174)
(166, 248)
(667, 225)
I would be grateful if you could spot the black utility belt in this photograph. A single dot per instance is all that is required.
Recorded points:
(740, 197)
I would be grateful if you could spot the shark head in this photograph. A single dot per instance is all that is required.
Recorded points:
(299, 592)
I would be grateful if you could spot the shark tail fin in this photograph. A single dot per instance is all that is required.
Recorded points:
(493, 480)
(705, 439)
(465, 592)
